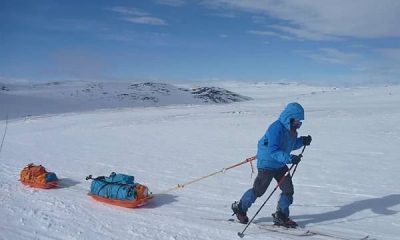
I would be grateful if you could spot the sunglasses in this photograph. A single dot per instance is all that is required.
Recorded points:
(295, 123)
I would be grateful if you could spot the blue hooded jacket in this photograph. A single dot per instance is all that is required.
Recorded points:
(278, 141)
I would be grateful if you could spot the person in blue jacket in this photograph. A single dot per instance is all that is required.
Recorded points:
(273, 154)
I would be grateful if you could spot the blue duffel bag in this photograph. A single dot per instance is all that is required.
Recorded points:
(116, 186)
(120, 178)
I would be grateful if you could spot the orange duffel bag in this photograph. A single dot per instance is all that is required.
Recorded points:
(36, 176)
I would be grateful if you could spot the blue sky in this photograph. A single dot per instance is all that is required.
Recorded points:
(315, 41)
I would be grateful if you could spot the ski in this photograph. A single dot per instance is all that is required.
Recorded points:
(305, 232)
(291, 231)
(282, 230)
(300, 232)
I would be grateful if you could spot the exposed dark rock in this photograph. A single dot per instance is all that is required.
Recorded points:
(217, 95)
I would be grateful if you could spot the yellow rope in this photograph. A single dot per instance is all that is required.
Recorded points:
(178, 186)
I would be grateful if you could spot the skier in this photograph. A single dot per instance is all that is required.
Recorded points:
(273, 154)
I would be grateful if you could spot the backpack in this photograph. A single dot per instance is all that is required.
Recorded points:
(118, 186)
(37, 176)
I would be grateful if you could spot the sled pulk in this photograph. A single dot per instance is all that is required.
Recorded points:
(119, 189)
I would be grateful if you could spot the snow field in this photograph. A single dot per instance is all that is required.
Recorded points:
(347, 183)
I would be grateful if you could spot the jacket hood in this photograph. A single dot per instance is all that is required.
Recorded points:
(292, 110)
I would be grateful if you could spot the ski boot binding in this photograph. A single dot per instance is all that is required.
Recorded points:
(282, 220)
(241, 216)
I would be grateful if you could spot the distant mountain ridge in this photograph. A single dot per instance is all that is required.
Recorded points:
(60, 97)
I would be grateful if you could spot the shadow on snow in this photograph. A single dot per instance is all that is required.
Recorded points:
(380, 206)
(160, 199)
(67, 182)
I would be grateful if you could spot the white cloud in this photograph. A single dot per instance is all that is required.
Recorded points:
(135, 15)
(270, 33)
(146, 20)
(304, 33)
(172, 3)
(139, 38)
(129, 11)
(259, 19)
(223, 15)
(326, 19)
(365, 69)
(333, 56)
(291, 33)
(359, 46)
(391, 53)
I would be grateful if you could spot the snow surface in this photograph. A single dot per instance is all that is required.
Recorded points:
(347, 183)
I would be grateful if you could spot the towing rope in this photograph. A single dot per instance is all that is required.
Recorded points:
(223, 170)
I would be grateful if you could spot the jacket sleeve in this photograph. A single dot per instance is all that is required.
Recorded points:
(299, 143)
(275, 134)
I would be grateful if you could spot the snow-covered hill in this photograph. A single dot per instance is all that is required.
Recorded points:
(61, 97)
(346, 184)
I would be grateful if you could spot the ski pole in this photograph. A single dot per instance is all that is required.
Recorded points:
(241, 234)
(302, 151)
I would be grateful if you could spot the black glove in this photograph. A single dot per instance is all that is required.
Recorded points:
(306, 140)
(295, 159)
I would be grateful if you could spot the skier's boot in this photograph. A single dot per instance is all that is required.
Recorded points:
(280, 219)
(241, 216)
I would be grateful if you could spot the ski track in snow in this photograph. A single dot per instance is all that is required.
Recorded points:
(347, 183)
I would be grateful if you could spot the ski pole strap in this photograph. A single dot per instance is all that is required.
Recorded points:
(252, 170)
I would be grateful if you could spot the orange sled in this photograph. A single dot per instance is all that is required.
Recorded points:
(48, 185)
(122, 203)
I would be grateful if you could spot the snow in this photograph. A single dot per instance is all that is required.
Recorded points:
(346, 184)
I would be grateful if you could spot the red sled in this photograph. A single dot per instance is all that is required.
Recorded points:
(122, 203)
(47, 185)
